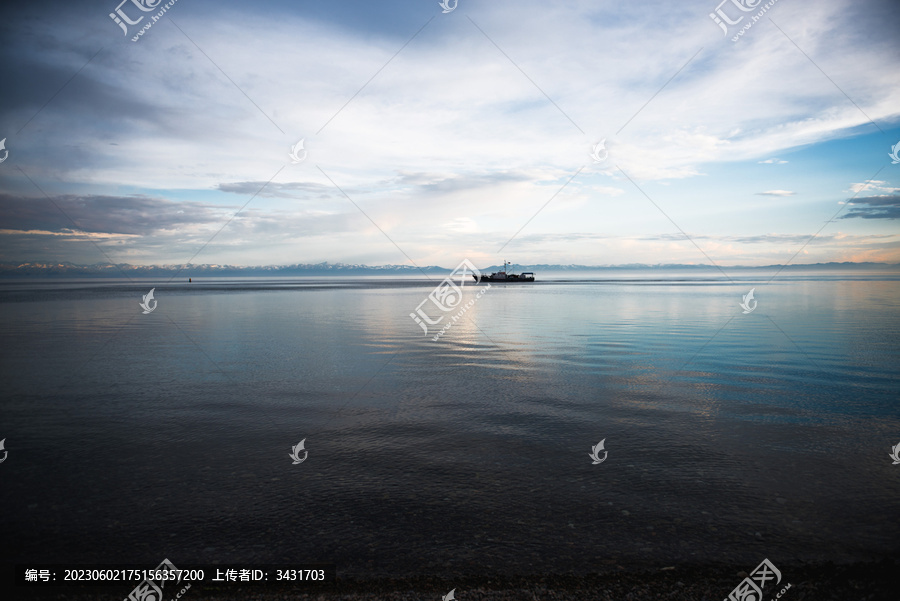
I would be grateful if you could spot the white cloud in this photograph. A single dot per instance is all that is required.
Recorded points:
(450, 138)
(450, 99)
(776, 193)
(874, 186)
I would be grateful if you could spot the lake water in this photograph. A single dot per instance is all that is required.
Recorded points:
(730, 437)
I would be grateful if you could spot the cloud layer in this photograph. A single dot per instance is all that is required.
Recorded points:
(450, 146)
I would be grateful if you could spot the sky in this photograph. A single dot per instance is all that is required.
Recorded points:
(581, 132)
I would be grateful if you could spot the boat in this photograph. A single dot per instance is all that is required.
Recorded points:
(505, 276)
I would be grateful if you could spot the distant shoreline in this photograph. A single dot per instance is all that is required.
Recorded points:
(120, 270)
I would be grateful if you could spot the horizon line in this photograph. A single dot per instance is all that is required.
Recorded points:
(6, 265)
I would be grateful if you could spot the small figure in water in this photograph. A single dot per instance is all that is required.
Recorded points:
(189, 279)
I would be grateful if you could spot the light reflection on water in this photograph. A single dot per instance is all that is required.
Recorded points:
(457, 454)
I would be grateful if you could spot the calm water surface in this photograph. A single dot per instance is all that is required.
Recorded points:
(731, 437)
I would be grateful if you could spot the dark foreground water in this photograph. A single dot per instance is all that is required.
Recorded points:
(730, 437)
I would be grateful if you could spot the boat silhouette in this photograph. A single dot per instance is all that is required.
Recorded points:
(505, 276)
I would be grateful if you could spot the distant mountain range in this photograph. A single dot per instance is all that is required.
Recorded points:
(100, 270)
